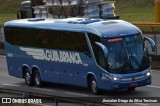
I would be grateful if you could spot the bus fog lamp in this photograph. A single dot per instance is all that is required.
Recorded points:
(115, 86)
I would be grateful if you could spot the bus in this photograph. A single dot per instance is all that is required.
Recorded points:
(95, 53)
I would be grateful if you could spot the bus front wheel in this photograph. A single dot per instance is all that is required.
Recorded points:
(28, 77)
(94, 86)
(37, 79)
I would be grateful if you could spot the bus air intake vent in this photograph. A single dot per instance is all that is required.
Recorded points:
(109, 22)
(90, 21)
(36, 20)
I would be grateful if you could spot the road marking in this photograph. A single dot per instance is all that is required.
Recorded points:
(153, 86)
(76, 94)
(141, 104)
(41, 104)
(10, 85)
(44, 89)
(2, 56)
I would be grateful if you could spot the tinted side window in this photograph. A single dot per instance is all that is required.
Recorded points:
(61, 40)
(94, 38)
(25, 37)
(98, 53)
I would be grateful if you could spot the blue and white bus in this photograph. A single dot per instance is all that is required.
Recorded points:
(95, 53)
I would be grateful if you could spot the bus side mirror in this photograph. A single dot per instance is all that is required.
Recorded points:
(104, 49)
(152, 43)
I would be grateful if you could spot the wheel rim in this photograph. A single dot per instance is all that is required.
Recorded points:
(28, 78)
(37, 79)
(94, 86)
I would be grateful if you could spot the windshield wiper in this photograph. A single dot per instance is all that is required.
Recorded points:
(125, 68)
(136, 61)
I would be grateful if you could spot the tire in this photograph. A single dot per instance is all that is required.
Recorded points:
(94, 87)
(37, 79)
(131, 89)
(28, 77)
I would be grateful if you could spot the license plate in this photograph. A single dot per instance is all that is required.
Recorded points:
(133, 84)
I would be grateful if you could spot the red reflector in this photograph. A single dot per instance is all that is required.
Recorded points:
(133, 84)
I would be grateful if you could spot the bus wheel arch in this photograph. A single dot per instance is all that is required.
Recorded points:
(92, 84)
(36, 77)
(27, 76)
(24, 68)
(89, 76)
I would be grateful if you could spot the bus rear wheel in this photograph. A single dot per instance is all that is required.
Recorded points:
(28, 77)
(37, 79)
(94, 87)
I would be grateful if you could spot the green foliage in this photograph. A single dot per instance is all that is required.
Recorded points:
(129, 10)
(133, 3)
(6, 17)
(145, 14)
(9, 6)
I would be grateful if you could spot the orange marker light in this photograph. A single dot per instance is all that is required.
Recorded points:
(114, 40)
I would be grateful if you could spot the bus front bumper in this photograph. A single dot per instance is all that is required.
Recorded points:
(119, 84)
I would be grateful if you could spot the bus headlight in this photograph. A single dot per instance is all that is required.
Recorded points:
(111, 77)
(148, 73)
(116, 78)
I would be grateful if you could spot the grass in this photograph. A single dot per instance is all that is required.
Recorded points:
(8, 10)
(129, 10)
(133, 3)
(129, 14)
(136, 14)
(9, 6)
(145, 14)
(7, 17)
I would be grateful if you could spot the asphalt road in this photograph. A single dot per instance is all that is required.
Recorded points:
(153, 90)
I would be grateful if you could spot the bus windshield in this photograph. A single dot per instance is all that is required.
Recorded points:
(127, 54)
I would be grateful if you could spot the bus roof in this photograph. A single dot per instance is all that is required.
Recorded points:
(102, 28)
